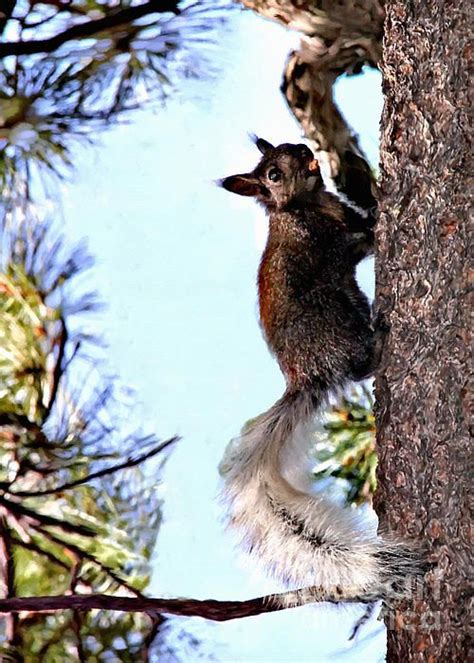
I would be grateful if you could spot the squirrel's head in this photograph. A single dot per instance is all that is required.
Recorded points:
(285, 174)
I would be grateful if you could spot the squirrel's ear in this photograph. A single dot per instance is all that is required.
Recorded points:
(262, 144)
(244, 185)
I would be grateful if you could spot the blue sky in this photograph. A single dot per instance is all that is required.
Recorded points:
(176, 259)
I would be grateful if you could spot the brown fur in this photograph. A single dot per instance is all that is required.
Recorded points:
(316, 322)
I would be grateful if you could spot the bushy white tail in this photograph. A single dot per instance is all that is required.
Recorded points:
(304, 539)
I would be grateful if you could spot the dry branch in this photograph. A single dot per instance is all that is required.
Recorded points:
(327, 20)
(219, 611)
(338, 37)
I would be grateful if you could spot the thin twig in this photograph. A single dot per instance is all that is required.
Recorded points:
(58, 368)
(88, 28)
(368, 612)
(28, 545)
(157, 622)
(54, 638)
(77, 618)
(129, 462)
(20, 510)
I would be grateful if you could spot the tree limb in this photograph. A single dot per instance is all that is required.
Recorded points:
(339, 37)
(326, 20)
(208, 609)
(88, 28)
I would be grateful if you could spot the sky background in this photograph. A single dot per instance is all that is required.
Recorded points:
(176, 261)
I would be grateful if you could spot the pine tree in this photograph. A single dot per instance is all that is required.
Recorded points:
(77, 512)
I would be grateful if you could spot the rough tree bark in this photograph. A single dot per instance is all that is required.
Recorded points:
(422, 294)
(421, 272)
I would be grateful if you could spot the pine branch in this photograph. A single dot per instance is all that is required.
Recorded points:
(129, 462)
(219, 611)
(83, 554)
(31, 547)
(19, 510)
(89, 28)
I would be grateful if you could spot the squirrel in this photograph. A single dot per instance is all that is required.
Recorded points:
(317, 323)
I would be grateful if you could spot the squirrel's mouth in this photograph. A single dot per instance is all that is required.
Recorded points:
(313, 166)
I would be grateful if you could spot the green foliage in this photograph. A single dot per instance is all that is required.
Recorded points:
(95, 536)
(51, 99)
(347, 450)
(70, 70)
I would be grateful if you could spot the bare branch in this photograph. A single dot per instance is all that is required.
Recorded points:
(89, 28)
(308, 89)
(157, 622)
(219, 611)
(368, 612)
(327, 22)
(129, 462)
(339, 38)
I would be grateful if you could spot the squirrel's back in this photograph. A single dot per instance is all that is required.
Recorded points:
(314, 317)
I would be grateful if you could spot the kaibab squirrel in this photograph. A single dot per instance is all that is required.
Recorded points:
(316, 322)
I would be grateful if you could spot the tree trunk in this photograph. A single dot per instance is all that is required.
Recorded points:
(422, 302)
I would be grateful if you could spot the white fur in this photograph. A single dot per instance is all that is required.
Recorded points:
(342, 562)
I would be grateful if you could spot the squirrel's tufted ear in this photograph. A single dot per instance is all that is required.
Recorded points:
(262, 144)
(244, 185)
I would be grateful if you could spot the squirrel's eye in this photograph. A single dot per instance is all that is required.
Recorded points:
(274, 174)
